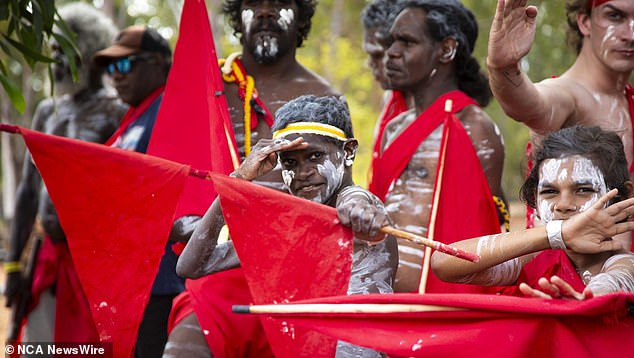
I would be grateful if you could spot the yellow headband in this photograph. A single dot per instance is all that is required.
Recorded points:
(311, 128)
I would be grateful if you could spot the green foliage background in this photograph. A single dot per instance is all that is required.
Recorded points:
(333, 50)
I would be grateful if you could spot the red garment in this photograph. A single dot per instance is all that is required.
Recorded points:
(547, 263)
(133, 113)
(395, 105)
(228, 335)
(472, 204)
(73, 320)
(396, 156)
(113, 204)
(492, 325)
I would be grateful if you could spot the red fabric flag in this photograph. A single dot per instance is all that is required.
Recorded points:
(193, 124)
(116, 208)
(485, 325)
(299, 250)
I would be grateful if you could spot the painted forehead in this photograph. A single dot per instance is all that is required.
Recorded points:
(578, 169)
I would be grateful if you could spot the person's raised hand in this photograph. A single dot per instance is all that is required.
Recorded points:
(591, 231)
(263, 157)
(554, 288)
(363, 213)
(512, 33)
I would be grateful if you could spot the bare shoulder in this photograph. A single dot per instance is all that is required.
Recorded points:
(478, 123)
(398, 124)
(309, 82)
(565, 93)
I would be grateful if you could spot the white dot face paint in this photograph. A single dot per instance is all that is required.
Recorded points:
(247, 20)
(568, 186)
(286, 18)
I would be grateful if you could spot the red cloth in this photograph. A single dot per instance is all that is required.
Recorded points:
(113, 205)
(547, 263)
(193, 125)
(493, 326)
(395, 105)
(396, 156)
(133, 113)
(227, 334)
(469, 202)
(73, 320)
(299, 251)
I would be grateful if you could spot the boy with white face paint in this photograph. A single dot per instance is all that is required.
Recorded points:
(581, 190)
(594, 91)
(315, 147)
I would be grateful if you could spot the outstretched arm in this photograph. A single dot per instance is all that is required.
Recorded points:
(587, 232)
(542, 107)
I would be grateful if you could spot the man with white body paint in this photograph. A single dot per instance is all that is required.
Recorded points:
(581, 191)
(314, 143)
(430, 61)
(267, 71)
(594, 91)
(258, 81)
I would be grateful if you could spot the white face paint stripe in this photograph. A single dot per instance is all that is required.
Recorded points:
(286, 18)
(583, 171)
(247, 20)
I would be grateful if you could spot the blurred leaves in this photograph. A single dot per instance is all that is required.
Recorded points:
(26, 27)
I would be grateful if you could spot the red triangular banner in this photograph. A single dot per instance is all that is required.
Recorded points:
(116, 208)
(292, 249)
(193, 124)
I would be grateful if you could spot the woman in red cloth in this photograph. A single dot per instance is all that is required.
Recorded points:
(581, 191)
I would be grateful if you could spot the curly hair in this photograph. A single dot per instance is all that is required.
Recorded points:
(93, 29)
(306, 10)
(574, 36)
(603, 148)
(380, 14)
(309, 108)
(449, 18)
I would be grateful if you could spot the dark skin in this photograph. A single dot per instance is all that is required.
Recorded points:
(424, 70)
(147, 74)
(87, 113)
(374, 44)
(283, 68)
(297, 79)
(200, 257)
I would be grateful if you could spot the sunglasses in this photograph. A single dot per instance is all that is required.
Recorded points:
(124, 64)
